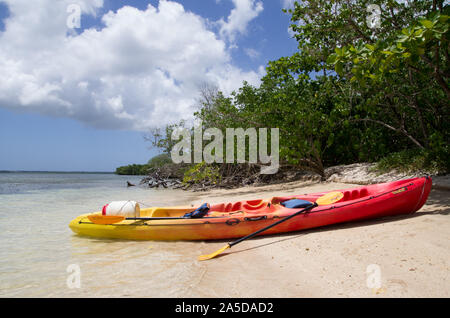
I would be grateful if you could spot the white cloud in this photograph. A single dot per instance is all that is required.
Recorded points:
(252, 53)
(142, 69)
(239, 18)
(288, 4)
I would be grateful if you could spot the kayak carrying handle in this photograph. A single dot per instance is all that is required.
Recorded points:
(256, 218)
(233, 221)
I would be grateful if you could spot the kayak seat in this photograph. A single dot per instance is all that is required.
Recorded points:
(246, 206)
(221, 207)
(227, 207)
(165, 212)
(254, 205)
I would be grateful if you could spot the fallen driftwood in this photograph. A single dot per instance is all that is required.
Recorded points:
(231, 176)
(156, 180)
(237, 175)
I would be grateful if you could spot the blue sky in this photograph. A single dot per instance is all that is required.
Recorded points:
(81, 99)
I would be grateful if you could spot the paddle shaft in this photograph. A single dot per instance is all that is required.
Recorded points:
(272, 225)
(171, 218)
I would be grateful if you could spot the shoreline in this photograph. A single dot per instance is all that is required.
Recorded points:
(352, 174)
(56, 172)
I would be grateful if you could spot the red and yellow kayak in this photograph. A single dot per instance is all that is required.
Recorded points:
(237, 219)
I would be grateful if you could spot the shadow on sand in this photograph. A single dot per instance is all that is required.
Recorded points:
(438, 203)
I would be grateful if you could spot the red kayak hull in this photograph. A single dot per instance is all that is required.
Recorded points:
(377, 201)
(362, 203)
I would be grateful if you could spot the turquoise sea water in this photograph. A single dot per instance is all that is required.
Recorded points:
(37, 248)
(28, 182)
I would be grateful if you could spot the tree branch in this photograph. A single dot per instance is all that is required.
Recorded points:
(399, 130)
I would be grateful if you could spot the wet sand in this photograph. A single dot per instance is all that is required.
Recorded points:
(410, 253)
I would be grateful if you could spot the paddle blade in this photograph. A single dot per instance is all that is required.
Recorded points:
(330, 198)
(105, 219)
(212, 255)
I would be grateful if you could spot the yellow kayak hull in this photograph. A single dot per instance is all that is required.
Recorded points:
(142, 230)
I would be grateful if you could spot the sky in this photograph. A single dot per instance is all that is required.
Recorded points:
(82, 81)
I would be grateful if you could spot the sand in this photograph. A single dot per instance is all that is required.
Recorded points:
(405, 256)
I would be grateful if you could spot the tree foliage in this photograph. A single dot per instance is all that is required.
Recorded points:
(132, 170)
(357, 89)
(157, 161)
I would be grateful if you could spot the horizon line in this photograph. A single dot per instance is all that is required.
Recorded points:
(51, 171)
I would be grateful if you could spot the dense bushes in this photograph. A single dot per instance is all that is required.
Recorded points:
(142, 169)
(412, 160)
(133, 169)
(158, 161)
